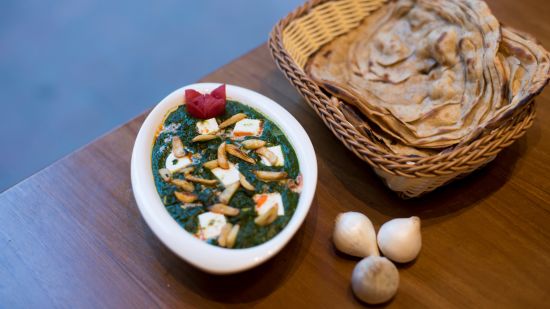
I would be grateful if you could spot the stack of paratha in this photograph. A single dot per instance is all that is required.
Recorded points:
(430, 74)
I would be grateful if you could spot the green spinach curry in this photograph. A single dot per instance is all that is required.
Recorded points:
(242, 205)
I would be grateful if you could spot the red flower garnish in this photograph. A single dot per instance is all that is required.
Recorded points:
(205, 106)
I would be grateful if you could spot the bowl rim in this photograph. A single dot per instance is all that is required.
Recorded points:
(204, 256)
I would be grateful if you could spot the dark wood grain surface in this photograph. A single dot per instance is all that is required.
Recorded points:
(71, 235)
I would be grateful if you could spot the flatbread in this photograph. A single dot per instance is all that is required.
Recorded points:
(432, 73)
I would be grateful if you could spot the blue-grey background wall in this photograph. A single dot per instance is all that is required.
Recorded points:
(71, 70)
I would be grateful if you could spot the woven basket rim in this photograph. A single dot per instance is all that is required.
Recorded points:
(454, 160)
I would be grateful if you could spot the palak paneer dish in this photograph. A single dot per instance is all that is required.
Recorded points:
(225, 172)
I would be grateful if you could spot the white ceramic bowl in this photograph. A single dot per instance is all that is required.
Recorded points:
(198, 253)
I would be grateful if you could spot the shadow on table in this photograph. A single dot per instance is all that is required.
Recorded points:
(246, 287)
(365, 185)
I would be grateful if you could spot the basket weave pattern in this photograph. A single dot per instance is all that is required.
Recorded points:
(296, 37)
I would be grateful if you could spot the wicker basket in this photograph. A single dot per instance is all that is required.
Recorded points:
(295, 38)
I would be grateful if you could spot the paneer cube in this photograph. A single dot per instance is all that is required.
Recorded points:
(247, 127)
(210, 225)
(208, 126)
(265, 201)
(278, 151)
(227, 176)
(174, 164)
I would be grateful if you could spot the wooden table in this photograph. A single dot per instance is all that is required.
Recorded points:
(71, 235)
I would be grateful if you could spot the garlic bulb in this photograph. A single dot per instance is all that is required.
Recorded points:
(400, 239)
(354, 234)
(375, 280)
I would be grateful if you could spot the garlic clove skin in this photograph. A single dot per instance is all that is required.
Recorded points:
(400, 239)
(354, 235)
(375, 280)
